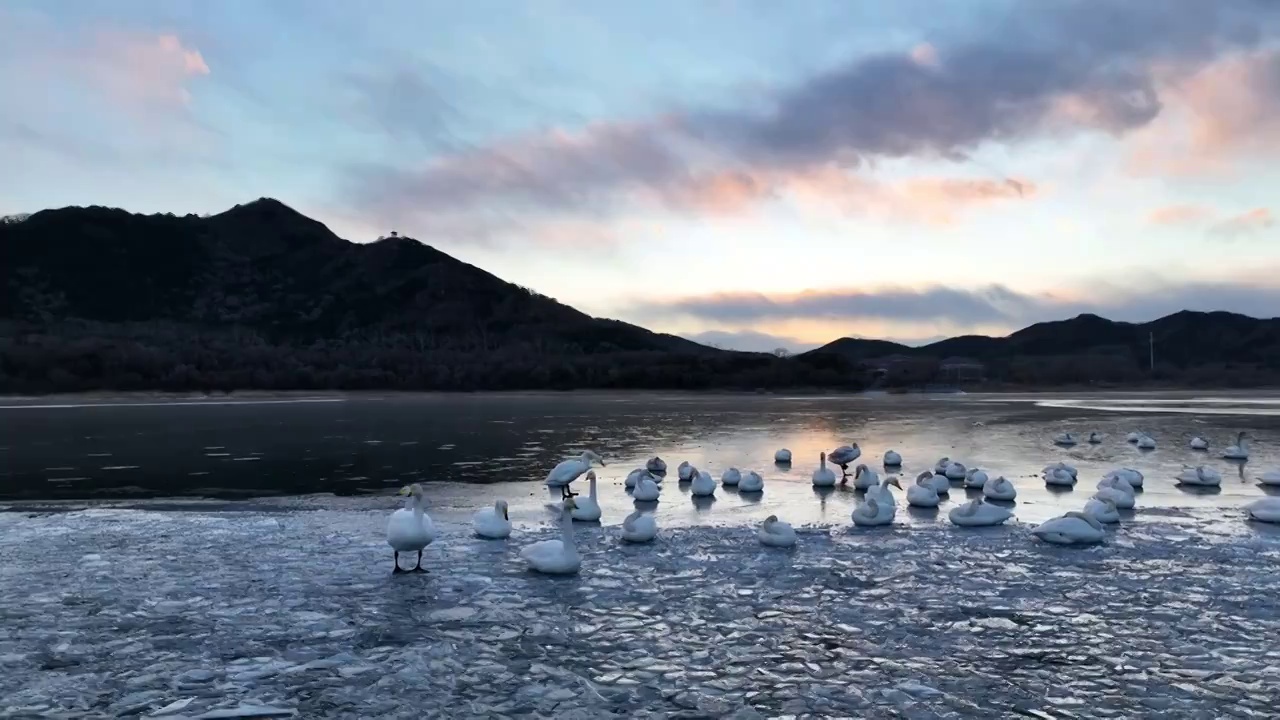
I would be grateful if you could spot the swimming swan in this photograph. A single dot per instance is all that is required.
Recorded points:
(569, 470)
(1064, 439)
(647, 490)
(1073, 528)
(823, 476)
(864, 478)
(1270, 478)
(1102, 510)
(1264, 510)
(922, 493)
(1146, 442)
(657, 467)
(977, 513)
(776, 533)
(556, 557)
(1199, 443)
(1094, 438)
(940, 467)
(493, 523)
(975, 478)
(998, 488)
(1060, 477)
(1239, 451)
(844, 455)
(410, 529)
(892, 459)
(1129, 475)
(940, 483)
(703, 484)
(1199, 476)
(955, 471)
(639, 527)
(588, 509)
(871, 513)
(633, 477)
(730, 477)
(782, 457)
(1117, 490)
(686, 472)
(751, 483)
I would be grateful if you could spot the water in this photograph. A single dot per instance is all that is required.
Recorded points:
(135, 600)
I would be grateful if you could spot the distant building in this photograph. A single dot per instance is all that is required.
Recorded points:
(961, 369)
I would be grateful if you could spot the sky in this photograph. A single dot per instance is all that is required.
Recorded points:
(748, 173)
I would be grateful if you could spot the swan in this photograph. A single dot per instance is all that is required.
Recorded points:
(751, 483)
(864, 478)
(997, 488)
(1064, 439)
(731, 477)
(569, 470)
(880, 491)
(823, 476)
(588, 509)
(977, 513)
(1061, 466)
(1199, 443)
(686, 472)
(1239, 451)
(1102, 510)
(940, 484)
(556, 557)
(782, 457)
(1059, 477)
(647, 490)
(1116, 491)
(1129, 475)
(493, 523)
(1264, 510)
(1073, 528)
(703, 485)
(639, 527)
(1094, 438)
(1200, 476)
(776, 533)
(410, 528)
(923, 494)
(892, 459)
(633, 477)
(1271, 477)
(955, 471)
(844, 455)
(871, 513)
(657, 467)
(975, 478)
(1146, 442)
(940, 467)
(1133, 437)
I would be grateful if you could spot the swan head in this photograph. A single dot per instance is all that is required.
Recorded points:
(926, 475)
(590, 456)
(591, 476)
(822, 456)
(893, 480)
(500, 507)
(414, 491)
(1093, 522)
(770, 520)
(857, 472)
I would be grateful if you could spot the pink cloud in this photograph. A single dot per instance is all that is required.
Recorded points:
(1179, 215)
(1247, 223)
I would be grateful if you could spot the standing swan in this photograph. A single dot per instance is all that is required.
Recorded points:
(588, 509)
(844, 455)
(492, 523)
(703, 485)
(776, 533)
(639, 528)
(1073, 528)
(569, 470)
(410, 528)
(556, 557)
(782, 457)
(751, 483)
(823, 476)
(892, 459)
(1239, 451)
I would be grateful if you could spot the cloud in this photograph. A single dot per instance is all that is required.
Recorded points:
(993, 305)
(1050, 68)
(1174, 215)
(1229, 227)
(1248, 223)
(749, 340)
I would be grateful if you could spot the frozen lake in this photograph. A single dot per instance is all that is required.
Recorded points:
(131, 584)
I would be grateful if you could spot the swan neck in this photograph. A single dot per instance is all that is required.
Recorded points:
(592, 494)
(566, 532)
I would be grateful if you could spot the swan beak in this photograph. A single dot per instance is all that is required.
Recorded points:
(404, 490)
(603, 463)
(504, 514)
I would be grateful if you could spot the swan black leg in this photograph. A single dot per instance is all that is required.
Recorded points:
(396, 560)
(418, 567)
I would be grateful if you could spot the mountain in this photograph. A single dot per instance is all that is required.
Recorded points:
(261, 296)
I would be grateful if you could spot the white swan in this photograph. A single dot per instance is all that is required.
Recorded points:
(410, 529)
(892, 459)
(1062, 466)
(493, 523)
(782, 457)
(1133, 437)
(1199, 443)
(955, 471)
(871, 513)
(751, 483)
(556, 557)
(864, 478)
(1094, 438)
(686, 472)
(922, 493)
(703, 484)
(639, 527)
(1059, 477)
(1064, 439)
(940, 483)
(1264, 510)
(940, 467)
(1073, 528)
(823, 476)
(1271, 478)
(880, 491)
(730, 477)
(569, 470)
(587, 509)
(647, 490)
(1199, 476)
(1129, 475)
(844, 455)
(997, 488)
(1239, 451)
(975, 478)
(633, 477)
(977, 513)
(776, 533)
(657, 467)
(1146, 442)
(1102, 510)
(1116, 491)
